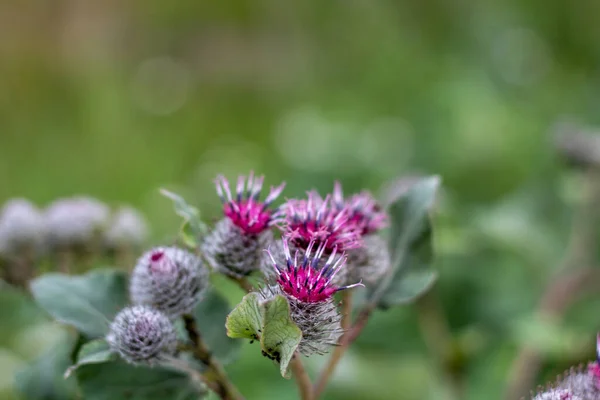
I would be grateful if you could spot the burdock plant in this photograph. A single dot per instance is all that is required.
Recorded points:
(160, 333)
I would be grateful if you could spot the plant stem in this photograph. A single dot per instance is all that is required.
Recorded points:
(64, 260)
(339, 351)
(302, 379)
(215, 376)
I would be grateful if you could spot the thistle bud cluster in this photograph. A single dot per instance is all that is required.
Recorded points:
(328, 244)
(166, 283)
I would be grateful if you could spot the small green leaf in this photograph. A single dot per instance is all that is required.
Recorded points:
(116, 380)
(411, 245)
(94, 352)
(211, 315)
(193, 228)
(88, 302)
(246, 319)
(187, 235)
(43, 379)
(280, 335)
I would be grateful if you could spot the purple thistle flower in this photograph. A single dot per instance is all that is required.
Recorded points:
(304, 280)
(314, 220)
(245, 210)
(363, 210)
(234, 246)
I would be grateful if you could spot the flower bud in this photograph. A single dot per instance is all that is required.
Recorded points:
(235, 245)
(169, 279)
(127, 228)
(142, 335)
(21, 228)
(75, 221)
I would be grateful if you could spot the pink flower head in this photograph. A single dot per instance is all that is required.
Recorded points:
(314, 219)
(364, 211)
(161, 264)
(245, 210)
(304, 280)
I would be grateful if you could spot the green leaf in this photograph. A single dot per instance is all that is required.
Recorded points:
(188, 236)
(18, 313)
(88, 302)
(116, 380)
(280, 335)
(411, 245)
(246, 319)
(211, 315)
(408, 288)
(43, 380)
(94, 352)
(193, 229)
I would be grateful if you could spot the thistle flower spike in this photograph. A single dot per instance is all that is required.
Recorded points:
(244, 208)
(313, 219)
(305, 281)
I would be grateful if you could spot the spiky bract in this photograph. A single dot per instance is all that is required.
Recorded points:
(169, 279)
(234, 252)
(142, 335)
(368, 263)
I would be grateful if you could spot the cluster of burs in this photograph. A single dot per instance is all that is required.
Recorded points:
(305, 250)
(66, 233)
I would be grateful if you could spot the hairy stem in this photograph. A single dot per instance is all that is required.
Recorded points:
(339, 351)
(302, 379)
(215, 376)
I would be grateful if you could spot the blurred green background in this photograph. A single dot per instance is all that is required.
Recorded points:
(116, 99)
